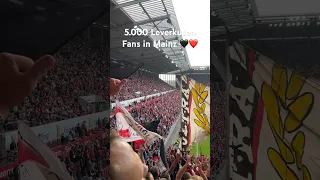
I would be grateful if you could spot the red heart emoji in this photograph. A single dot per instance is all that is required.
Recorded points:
(193, 42)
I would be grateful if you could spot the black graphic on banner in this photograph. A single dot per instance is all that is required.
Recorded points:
(185, 92)
(243, 103)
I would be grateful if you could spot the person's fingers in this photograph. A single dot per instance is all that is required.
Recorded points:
(115, 81)
(23, 63)
(40, 68)
(122, 83)
(7, 62)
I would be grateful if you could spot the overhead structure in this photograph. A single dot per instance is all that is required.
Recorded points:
(233, 14)
(242, 18)
(149, 16)
(279, 28)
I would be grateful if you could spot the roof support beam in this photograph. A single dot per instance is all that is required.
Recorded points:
(141, 22)
(127, 4)
(231, 6)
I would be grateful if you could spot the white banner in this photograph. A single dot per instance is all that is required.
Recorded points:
(199, 121)
(126, 132)
(185, 114)
(36, 160)
(274, 126)
(148, 136)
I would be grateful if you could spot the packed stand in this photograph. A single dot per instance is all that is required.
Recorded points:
(201, 162)
(80, 131)
(181, 166)
(142, 85)
(81, 142)
(87, 160)
(218, 131)
(80, 70)
(148, 164)
(164, 108)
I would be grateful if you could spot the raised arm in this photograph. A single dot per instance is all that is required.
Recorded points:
(183, 169)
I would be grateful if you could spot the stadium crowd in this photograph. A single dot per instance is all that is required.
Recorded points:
(142, 85)
(85, 152)
(55, 98)
(87, 160)
(181, 166)
(164, 108)
(79, 71)
(218, 131)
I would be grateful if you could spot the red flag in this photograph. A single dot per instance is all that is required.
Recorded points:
(138, 144)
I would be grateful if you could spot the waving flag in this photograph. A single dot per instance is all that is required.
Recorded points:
(36, 160)
(195, 104)
(274, 119)
(149, 137)
(126, 132)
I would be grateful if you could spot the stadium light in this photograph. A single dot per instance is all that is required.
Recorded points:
(172, 62)
(167, 56)
(135, 27)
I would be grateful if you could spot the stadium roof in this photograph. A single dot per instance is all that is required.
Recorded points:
(279, 27)
(234, 14)
(241, 17)
(156, 15)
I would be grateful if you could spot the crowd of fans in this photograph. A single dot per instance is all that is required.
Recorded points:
(87, 160)
(181, 165)
(80, 70)
(84, 151)
(164, 108)
(193, 166)
(218, 131)
(198, 163)
(142, 85)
